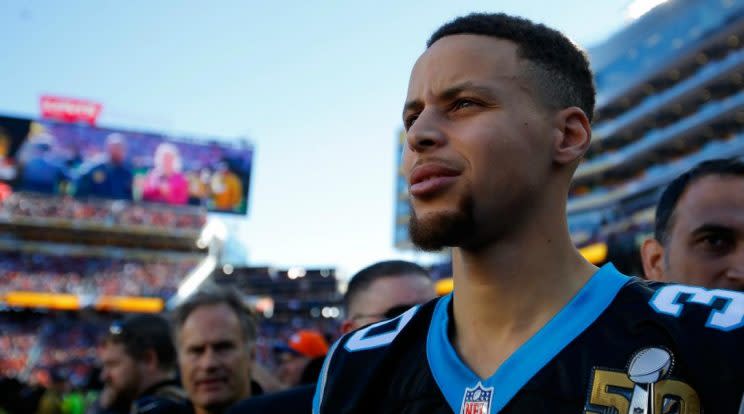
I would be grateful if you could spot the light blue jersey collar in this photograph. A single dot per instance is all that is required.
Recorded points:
(453, 377)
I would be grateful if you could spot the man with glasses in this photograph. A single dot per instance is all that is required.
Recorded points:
(384, 290)
(138, 367)
(380, 291)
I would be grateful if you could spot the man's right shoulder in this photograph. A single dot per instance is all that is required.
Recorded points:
(361, 355)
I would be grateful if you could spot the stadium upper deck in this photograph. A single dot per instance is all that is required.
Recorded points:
(669, 96)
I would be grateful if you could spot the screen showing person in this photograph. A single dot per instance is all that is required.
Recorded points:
(165, 183)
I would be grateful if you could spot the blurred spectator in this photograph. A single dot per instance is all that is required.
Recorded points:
(227, 189)
(302, 358)
(7, 164)
(699, 233)
(109, 176)
(40, 172)
(215, 334)
(51, 400)
(17, 397)
(165, 183)
(139, 361)
(385, 290)
(199, 183)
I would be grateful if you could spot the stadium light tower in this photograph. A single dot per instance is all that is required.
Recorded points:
(213, 236)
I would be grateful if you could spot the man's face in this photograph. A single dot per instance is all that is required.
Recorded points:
(120, 372)
(117, 152)
(291, 367)
(215, 361)
(706, 241)
(478, 142)
(386, 293)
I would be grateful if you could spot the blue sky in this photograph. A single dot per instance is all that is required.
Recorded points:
(316, 86)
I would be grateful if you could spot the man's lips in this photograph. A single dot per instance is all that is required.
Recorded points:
(427, 179)
(210, 382)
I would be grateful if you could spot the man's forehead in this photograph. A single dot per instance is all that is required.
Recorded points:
(709, 199)
(462, 58)
(210, 323)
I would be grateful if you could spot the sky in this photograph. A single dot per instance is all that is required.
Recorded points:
(317, 87)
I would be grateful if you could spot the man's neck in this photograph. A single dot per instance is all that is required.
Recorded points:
(506, 292)
(152, 379)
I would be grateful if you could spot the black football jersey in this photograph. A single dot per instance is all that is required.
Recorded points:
(621, 345)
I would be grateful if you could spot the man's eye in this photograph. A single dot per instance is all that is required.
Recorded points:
(463, 103)
(410, 119)
(717, 242)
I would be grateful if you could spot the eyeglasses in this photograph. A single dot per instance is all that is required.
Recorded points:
(388, 314)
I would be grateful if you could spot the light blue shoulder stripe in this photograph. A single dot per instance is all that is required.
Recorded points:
(320, 386)
(453, 377)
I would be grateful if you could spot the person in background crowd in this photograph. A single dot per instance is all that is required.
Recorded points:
(51, 400)
(226, 188)
(39, 171)
(379, 291)
(699, 232)
(7, 163)
(199, 183)
(165, 183)
(215, 334)
(109, 176)
(384, 290)
(138, 361)
(302, 357)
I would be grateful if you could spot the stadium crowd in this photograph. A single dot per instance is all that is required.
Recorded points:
(101, 213)
(82, 275)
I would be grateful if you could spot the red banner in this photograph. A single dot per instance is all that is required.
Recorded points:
(70, 109)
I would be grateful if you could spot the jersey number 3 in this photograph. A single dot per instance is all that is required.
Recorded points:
(669, 301)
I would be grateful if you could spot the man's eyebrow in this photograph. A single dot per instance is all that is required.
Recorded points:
(713, 228)
(450, 93)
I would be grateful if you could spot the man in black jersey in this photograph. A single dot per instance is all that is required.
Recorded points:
(498, 117)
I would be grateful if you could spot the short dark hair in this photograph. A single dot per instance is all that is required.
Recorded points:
(364, 278)
(140, 333)
(673, 192)
(560, 69)
(211, 294)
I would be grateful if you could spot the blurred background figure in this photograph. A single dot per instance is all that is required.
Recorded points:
(226, 188)
(699, 233)
(138, 359)
(215, 334)
(385, 290)
(109, 176)
(40, 172)
(51, 400)
(301, 359)
(165, 183)
(7, 164)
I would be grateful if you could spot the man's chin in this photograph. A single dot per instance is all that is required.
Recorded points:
(435, 231)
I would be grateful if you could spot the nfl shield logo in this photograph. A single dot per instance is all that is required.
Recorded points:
(477, 400)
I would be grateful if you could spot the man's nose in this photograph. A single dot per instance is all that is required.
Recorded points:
(426, 132)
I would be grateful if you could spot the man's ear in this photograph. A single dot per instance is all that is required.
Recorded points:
(150, 359)
(652, 256)
(573, 135)
(347, 326)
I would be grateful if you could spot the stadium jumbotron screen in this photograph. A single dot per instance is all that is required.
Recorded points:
(83, 161)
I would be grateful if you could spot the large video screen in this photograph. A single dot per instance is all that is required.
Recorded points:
(78, 160)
